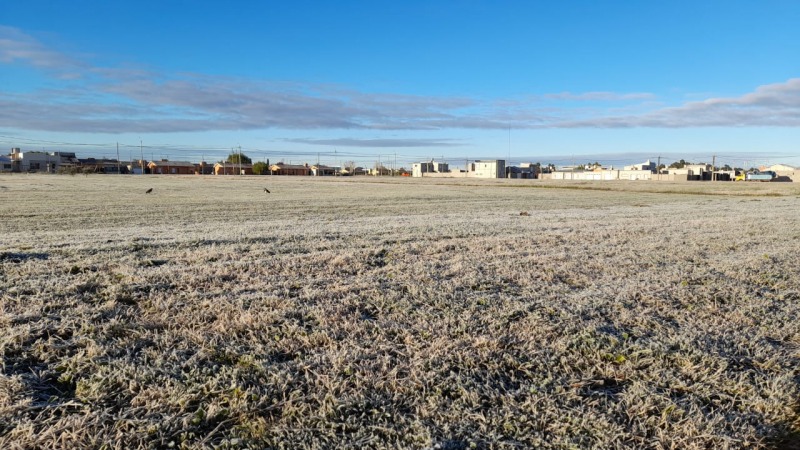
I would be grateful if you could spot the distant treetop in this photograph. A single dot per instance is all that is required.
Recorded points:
(233, 158)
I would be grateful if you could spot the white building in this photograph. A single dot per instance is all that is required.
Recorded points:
(40, 161)
(419, 169)
(493, 168)
(647, 165)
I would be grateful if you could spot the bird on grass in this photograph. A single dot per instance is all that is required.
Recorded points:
(267, 191)
(148, 191)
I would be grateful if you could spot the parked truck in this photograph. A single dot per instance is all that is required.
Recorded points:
(766, 175)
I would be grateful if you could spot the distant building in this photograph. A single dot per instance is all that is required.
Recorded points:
(289, 169)
(353, 171)
(226, 168)
(6, 165)
(690, 172)
(647, 165)
(320, 170)
(204, 168)
(165, 167)
(493, 168)
(419, 169)
(380, 171)
(785, 172)
(136, 167)
(524, 171)
(40, 161)
(780, 168)
(100, 165)
(699, 172)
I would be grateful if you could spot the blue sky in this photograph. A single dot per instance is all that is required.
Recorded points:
(613, 81)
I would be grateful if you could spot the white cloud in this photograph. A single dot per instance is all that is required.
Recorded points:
(119, 100)
(379, 143)
(18, 47)
(776, 104)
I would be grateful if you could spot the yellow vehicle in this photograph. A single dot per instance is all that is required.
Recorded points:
(740, 176)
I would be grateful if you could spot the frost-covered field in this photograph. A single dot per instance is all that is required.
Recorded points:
(397, 313)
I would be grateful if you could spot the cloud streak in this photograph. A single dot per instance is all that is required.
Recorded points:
(19, 47)
(600, 96)
(772, 105)
(113, 100)
(379, 143)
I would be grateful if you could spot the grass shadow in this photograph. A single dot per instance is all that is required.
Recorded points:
(18, 257)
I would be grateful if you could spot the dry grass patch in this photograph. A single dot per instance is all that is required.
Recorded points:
(393, 314)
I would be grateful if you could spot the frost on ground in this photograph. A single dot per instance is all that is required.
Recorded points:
(397, 313)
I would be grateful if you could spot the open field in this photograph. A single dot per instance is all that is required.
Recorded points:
(397, 313)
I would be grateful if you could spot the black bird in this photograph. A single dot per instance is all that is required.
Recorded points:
(148, 191)
(267, 191)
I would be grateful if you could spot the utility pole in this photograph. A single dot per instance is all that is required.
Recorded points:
(240, 160)
(713, 171)
(142, 153)
(509, 146)
(119, 172)
(658, 167)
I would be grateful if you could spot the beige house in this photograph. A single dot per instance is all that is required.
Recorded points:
(780, 168)
(690, 172)
(785, 172)
(290, 169)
